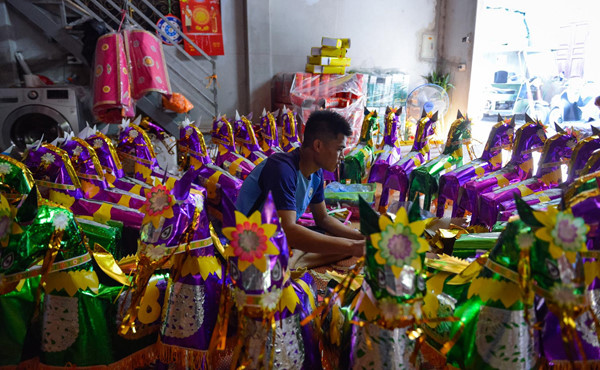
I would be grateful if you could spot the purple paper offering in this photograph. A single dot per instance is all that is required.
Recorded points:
(398, 173)
(289, 137)
(391, 151)
(529, 138)
(228, 158)
(246, 139)
(266, 133)
(555, 155)
(491, 160)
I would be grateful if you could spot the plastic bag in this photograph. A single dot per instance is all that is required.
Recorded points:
(343, 94)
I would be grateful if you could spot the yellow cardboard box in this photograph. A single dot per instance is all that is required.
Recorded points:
(326, 69)
(328, 61)
(335, 43)
(326, 51)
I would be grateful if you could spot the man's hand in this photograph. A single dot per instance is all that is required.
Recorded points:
(358, 248)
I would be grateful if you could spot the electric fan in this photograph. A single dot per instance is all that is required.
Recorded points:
(431, 98)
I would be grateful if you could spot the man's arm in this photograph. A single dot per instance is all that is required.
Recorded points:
(331, 224)
(299, 237)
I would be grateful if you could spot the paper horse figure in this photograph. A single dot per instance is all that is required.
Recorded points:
(227, 157)
(500, 138)
(529, 138)
(358, 161)
(582, 154)
(391, 152)
(222, 188)
(269, 303)
(424, 179)
(266, 133)
(399, 172)
(556, 154)
(289, 137)
(246, 139)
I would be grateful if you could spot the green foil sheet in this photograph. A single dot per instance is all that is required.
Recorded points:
(467, 244)
(108, 236)
(16, 311)
(30, 246)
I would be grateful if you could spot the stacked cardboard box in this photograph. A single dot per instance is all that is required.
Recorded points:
(330, 58)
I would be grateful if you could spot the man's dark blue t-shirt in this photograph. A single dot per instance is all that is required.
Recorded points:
(280, 174)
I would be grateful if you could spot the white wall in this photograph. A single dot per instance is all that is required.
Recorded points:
(385, 34)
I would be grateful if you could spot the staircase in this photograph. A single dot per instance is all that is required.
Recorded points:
(188, 75)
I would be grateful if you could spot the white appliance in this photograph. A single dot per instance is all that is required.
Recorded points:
(27, 113)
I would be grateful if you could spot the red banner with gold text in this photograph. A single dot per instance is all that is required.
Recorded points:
(201, 20)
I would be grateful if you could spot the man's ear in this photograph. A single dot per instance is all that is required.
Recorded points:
(317, 145)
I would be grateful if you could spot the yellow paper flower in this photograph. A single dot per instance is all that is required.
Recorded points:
(159, 203)
(250, 241)
(399, 242)
(565, 233)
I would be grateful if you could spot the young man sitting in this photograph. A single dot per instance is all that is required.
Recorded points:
(295, 180)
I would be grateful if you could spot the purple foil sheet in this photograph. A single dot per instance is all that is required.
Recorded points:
(107, 154)
(129, 217)
(589, 210)
(509, 208)
(266, 133)
(290, 131)
(383, 161)
(529, 137)
(451, 182)
(52, 168)
(554, 348)
(557, 150)
(190, 312)
(398, 175)
(134, 142)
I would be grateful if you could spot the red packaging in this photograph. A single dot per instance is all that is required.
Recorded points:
(202, 24)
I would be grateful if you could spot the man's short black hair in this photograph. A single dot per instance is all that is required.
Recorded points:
(325, 125)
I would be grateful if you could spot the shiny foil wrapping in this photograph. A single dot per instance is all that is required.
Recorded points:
(52, 169)
(357, 162)
(190, 309)
(500, 137)
(266, 133)
(399, 172)
(557, 150)
(289, 139)
(391, 154)
(228, 158)
(528, 138)
(107, 154)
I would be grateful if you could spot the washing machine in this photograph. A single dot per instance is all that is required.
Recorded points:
(28, 113)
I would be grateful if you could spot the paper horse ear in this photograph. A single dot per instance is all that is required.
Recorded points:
(500, 118)
(595, 131)
(264, 112)
(558, 128)
(387, 110)
(399, 111)
(424, 113)
(366, 111)
(249, 116)
(434, 117)
(369, 219)
(29, 207)
(528, 119)
(459, 115)
(237, 115)
(181, 189)
(526, 213)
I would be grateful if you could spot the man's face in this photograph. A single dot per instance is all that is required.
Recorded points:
(332, 153)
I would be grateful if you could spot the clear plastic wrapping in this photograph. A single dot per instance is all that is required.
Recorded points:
(343, 94)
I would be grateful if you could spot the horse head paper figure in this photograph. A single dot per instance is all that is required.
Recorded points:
(165, 146)
(227, 157)
(246, 138)
(266, 133)
(174, 222)
(424, 179)
(289, 137)
(270, 304)
(391, 151)
(500, 138)
(386, 309)
(136, 152)
(556, 154)
(358, 161)
(222, 188)
(399, 172)
(529, 138)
